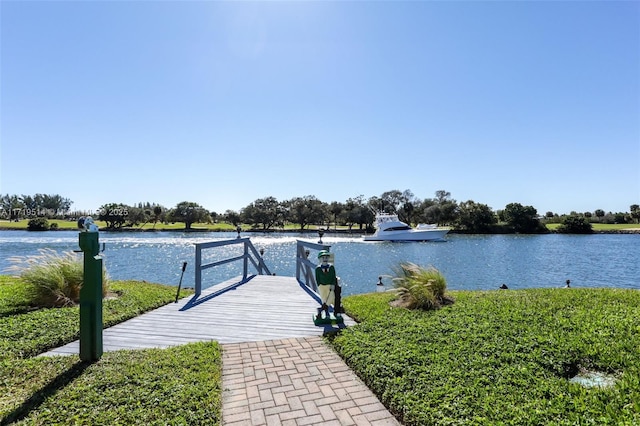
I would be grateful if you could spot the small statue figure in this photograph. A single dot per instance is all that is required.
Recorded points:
(327, 281)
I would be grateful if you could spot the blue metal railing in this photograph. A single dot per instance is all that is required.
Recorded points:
(250, 254)
(304, 267)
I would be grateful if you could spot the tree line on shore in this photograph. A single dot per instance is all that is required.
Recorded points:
(270, 214)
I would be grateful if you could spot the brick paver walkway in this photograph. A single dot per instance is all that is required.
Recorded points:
(298, 381)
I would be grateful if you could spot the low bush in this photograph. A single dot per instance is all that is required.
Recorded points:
(502, 357)
(38, 224)
(53, 279)
(575, 225)
(419, 287)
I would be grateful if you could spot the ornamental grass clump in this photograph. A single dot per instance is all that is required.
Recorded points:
(53, 279)
(419, 287)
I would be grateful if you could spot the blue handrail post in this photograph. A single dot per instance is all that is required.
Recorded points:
(198, 283)
(306, 266)
(246, 260)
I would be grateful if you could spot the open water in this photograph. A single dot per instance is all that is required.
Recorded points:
(468, 262)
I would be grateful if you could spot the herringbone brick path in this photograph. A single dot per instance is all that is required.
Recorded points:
(298, 381)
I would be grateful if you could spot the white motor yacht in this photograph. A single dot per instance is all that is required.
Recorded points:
(390, 228)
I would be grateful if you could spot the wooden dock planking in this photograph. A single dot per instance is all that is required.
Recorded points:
(263, 308)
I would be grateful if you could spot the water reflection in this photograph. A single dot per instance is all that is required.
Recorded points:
(467, 261)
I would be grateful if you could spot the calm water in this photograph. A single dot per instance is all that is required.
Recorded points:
(468, 262)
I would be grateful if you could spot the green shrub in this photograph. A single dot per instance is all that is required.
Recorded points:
(500, 357)
(53, 226)
(38, 224)
(52, 279)
(575, 225)
(420, 288)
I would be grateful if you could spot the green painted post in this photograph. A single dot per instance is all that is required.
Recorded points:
(91, 298)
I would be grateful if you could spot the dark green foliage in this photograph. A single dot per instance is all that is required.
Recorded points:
(475, 217)
(302, 210)
(575, 225)
(114, 214)
(180, 385)
(523, 219)
(26, 332)
(265, 213)
(189, 213)
(38, 224)
(500, 357)
(635, 212)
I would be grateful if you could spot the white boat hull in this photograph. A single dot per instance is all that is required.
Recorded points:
(412, 235)
(390, 228)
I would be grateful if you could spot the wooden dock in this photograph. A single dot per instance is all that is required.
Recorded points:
(264, 307)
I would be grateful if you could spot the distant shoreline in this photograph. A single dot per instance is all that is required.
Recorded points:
(298, 231)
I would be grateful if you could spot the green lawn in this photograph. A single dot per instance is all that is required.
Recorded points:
(500, 357)
(72, 225)
(227, 227)
(180, 385)
(601, 227)
(178, 226)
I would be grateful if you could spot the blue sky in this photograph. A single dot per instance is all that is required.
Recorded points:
(223, 103)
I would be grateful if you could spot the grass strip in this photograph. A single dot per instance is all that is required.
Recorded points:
(175, 386)
(26, 332)
(492, 358)
(180, 385)
(500, 357)
(67, 225)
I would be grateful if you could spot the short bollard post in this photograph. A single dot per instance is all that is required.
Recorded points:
(90, 294)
